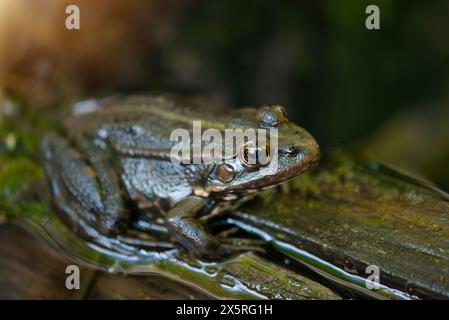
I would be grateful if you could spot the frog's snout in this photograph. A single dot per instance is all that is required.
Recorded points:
(310, 152)
(301, 156)
(313, 151)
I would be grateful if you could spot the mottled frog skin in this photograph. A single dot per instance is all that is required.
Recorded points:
(114, 159)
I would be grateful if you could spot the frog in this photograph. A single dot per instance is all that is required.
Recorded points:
(112, 162)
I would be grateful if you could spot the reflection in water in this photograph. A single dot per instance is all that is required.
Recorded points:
(208, 277)
(325, 269)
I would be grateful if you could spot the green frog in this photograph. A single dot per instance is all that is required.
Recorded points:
(113, 163)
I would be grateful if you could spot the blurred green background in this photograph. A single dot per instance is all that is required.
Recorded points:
(386, 91)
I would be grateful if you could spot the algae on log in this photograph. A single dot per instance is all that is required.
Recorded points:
(354, 216)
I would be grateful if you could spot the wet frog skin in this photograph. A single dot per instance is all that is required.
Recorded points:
(114, 159)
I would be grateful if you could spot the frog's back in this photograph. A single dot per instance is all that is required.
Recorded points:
(140, 108)
(146, 122)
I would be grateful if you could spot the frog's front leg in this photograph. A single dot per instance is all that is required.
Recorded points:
(88, 198)
(184, 227)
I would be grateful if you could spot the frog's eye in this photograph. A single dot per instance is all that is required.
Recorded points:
(255, 156)
(271, 116)
(225, 172)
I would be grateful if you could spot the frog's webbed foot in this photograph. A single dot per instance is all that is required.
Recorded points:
(185, 228)
(89, 202)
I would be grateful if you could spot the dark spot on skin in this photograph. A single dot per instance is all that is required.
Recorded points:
(225, 172)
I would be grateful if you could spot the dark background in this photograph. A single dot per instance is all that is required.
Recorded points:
(386, 90)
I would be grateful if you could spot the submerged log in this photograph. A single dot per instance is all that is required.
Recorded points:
(34, 269)
(31, 269)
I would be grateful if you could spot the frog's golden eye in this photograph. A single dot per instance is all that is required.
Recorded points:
(255, 156)
(271, 116)
(225, 172)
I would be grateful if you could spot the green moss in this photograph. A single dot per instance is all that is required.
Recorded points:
(17, 195)
(21, 175)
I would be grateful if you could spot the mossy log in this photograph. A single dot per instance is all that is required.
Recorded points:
(355, 214)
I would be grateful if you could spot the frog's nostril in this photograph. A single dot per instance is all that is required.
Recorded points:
(292, 150)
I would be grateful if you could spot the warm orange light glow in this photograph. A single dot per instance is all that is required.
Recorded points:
(11, 39)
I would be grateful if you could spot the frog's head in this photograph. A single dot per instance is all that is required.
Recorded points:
(296, 151)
